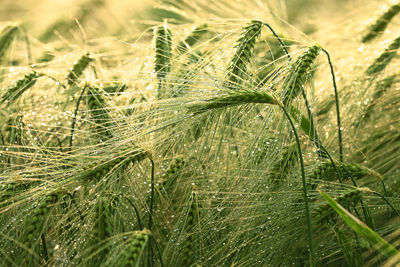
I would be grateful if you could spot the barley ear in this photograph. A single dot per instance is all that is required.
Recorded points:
(6, 37)
(381, 23)
(192, 221)
(384, 59)
(79, 68)
(99, 115)
(297, 78)
(233, 99)
(132, 254)
(36, 222)
(237, 69)
(325, 214)
(19, 88)
(192, 39)
(162, 64)
(282, 167)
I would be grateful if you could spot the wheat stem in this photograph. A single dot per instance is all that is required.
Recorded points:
(337, 106)
(74, 117)
(279, 40)
(305, 194)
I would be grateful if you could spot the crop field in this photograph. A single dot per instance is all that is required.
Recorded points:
(199, 133)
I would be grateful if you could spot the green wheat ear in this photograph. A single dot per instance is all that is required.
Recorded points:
(134, 249)
(78, 68)
(325, 214)
(19, 88)
(326, 172)
(381, 23)
(380, 89)
(233, 99)
(99, 114)
(168, 180)
(192, 220)
(384, 59)
(36, 222)
(192, 39)
(237, 69)
(287, 159)
(6, 37)
(297, 78)
(97, 170)
(162, 64)
(103, 228)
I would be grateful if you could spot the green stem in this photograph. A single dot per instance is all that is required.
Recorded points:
(45, 254)
(74, 119)
(337, 106)
(279, 40)
(388, 202)
(303, 177)
(151, 195)
(137, 213)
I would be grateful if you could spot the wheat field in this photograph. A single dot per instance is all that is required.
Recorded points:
(199, 133)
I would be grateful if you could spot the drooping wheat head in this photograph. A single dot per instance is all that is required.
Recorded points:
(384, 59)
(79, 68)
(237, 69)
(162, 65)
(298, 76)
(325, 214)
(233, 99)
(381, 23)
(131, 256)
(19, 88)
(192, 220)
(7, 36)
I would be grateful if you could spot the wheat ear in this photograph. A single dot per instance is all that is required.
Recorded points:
(162, 64)
(298, 77)
(6, 37)
(79, 68)
(237, 69)
(192, 39)
(384, 59)
(36, 222)
(190, 225)
(286, 161)
(233, 99)
(98, 109)
(20, 87)
(132, 254)
(324, 212)
(381, 23)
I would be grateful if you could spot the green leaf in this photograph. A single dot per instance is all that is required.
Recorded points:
(306, 126)
(363, 230)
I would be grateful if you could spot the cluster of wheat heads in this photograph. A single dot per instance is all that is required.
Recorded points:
(194, 146)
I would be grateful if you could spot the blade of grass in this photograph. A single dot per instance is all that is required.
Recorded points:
(363, 230)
